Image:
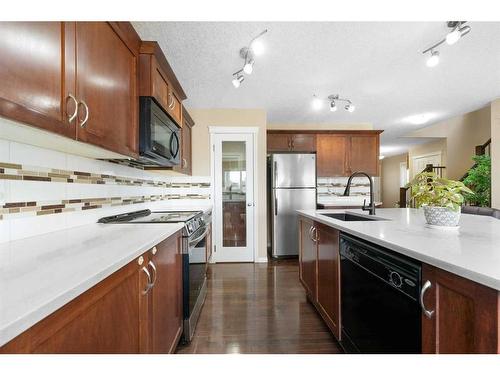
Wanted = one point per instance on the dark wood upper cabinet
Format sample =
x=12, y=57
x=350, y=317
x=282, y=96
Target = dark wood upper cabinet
x=344, y=153
x=46, y=68
x=37, y=74
x=465, y=318
x=166, y=295
x=329, y=276
x=308, y=257
x=106, y=87
x=364, y=154
x=186, y=166
x=295, y=142
x=331, y=155
x=157, y=79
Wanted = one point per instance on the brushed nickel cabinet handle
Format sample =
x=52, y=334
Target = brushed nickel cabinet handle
x=173, y=103
x=426, y=286
x=170, y=100
x=72, y=116
x=149, y=285
x=86, y=118
x=184, y=163
x=152, y=265
x=315, y=233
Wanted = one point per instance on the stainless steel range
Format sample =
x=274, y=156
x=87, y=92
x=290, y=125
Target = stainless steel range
x=194, y=254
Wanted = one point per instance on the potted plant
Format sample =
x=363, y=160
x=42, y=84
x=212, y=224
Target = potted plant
x=478, y=179
x=440, y=198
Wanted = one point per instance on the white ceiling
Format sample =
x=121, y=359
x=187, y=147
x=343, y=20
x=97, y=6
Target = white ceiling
x=378, y=65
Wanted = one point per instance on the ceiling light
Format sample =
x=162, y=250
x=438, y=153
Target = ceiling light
x=257, y=47
x=248, y=68
x=453, y=36
x=433, y=59
x=350, y=107
x=317, y=103
x=333, y=106
x=418, y=119
x=237, y=80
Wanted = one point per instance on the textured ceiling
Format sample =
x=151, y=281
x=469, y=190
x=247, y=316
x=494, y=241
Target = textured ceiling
x=378, y=65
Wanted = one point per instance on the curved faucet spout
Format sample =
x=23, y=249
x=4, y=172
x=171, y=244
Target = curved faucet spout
x=347, y=191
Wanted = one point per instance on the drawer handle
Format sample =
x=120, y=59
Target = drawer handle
x=73, y=116
x=426, y=286
x=86, y=118
x=149, y=285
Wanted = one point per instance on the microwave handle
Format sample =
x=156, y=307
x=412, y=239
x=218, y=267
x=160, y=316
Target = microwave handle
x=176, y=151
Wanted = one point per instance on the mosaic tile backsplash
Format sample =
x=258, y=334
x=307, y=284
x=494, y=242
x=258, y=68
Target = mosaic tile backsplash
x=43, y=190
x=330, y=187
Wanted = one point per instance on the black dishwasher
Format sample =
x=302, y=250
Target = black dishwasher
x=380, y=299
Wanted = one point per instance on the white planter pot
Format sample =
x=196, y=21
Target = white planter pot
x=441, y=216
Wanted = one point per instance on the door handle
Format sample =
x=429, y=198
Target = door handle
x=86, y=118
x=72, y=116
x=275, y=206
x=275, y=174
x=426, y=286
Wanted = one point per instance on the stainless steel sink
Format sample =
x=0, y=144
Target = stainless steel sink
x=345, y=216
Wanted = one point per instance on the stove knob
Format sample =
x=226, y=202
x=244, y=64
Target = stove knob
x=396, y=279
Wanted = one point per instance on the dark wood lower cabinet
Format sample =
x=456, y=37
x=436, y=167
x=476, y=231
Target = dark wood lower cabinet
x=465, y=317
x=329, y=276
x=308, y=253
x=117, y=315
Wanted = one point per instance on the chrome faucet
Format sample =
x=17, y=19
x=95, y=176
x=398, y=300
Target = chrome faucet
x=371, y=206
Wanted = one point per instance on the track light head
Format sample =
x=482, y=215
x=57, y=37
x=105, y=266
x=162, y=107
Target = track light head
x=333, y=106
x=350, y=107
x=248, y=68
x=453, y=36
x=257, y=47
x=433, y=59
x=237, y=79
x=317, y=103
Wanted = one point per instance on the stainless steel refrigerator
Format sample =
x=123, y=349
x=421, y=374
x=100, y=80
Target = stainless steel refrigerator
x=293, y=187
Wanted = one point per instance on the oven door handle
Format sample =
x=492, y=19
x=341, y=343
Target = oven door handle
x=198, y=239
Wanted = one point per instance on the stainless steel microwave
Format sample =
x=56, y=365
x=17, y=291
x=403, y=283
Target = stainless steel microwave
x=159, y=136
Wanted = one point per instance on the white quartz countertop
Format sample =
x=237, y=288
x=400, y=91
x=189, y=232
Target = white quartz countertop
x=40, y=274
x=472, y=251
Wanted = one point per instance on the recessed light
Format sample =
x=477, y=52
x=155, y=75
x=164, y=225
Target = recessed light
x=418, y=119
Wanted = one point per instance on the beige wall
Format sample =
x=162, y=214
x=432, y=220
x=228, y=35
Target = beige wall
x=201, y=153
x=462, y=133
x=495, y=154
x=390, y=180
x=313, y=126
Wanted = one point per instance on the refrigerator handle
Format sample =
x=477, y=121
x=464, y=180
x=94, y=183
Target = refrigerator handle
x=275, y=205
x=275, y=174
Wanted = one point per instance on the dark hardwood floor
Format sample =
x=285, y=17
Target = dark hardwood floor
x=259, y=308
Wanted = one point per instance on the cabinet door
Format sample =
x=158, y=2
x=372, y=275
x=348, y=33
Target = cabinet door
x=105, y=319
x=186, y=139
x=278, y=142
x=331, y=155
x=363, y=154
x=329, y=276
x=37, y=74
x=465, y=317
x=303, y=142
x=166, y=296
x=159, y=84
x=106, y=83
x=307, y=258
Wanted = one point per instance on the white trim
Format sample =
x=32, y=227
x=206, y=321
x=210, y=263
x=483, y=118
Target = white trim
x=215, y=130
x=233, y=129
x=261, y=260
x=440, y=153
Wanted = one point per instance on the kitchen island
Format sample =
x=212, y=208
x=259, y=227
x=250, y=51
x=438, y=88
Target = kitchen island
x=462, y=267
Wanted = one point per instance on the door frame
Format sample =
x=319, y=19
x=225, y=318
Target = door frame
x=413, y=158
x=254, y=131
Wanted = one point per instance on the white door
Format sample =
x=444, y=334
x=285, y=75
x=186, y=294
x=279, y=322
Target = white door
x=233, y=175
x=420, y=162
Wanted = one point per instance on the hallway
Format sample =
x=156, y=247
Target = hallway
x=258, y=308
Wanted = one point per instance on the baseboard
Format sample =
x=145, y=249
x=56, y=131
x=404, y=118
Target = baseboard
x=261, y=260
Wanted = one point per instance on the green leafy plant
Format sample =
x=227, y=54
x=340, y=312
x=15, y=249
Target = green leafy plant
x=428, y=189
x=479, y=181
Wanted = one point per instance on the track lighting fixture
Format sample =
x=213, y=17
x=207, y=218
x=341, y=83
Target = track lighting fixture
x=237, y=79
x=255, y=48
x=317, y=103
x=457, y=30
